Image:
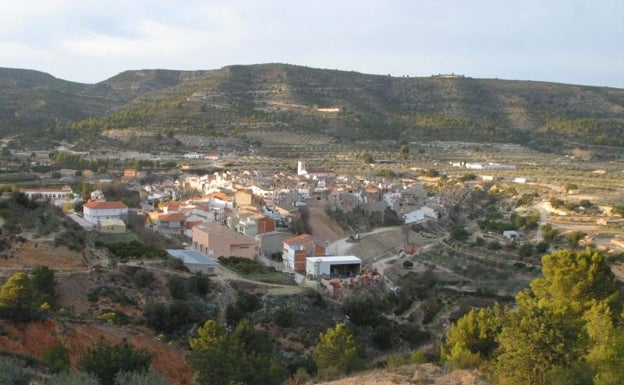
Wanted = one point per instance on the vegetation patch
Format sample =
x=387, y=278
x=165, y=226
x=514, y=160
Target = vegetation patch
x=251, y=269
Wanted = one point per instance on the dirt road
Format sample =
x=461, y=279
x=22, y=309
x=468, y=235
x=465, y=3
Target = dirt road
x=322, y=226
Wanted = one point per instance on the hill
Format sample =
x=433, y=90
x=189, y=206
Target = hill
x=255, y=101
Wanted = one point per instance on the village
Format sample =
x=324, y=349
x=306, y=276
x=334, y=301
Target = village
x=249, y=214
x=262, y=215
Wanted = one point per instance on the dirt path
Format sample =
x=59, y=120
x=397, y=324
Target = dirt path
x=322, y=226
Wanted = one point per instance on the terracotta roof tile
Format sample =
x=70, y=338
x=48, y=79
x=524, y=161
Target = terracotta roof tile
x=296, y=239
x=103, y=205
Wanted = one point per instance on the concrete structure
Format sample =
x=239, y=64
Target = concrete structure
x=111, y=226
x=511, y=234
x=272, y=242
x=414, y=216
x=333, y=266
x=433, y=210
x=216, y=240
x=195, y=261
x=95, y=211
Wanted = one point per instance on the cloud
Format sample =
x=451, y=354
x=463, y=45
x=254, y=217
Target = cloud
x=90, y=40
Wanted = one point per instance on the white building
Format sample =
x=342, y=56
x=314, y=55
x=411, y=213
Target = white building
x=48, y=193
x=95, y=211
x=333, y=266
x=414, y=216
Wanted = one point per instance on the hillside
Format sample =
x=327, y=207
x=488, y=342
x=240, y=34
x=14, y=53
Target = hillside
x=256, y=101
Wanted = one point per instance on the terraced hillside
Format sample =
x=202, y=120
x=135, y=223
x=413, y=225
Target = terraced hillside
x=256, y=103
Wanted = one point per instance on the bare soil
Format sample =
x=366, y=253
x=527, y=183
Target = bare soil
x=413, y=374
x=322, y=226
x=34, y=338
x=31, y=254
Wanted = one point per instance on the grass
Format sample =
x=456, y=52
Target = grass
x=256, y=272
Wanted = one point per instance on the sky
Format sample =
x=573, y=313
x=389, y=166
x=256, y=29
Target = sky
x=571, y=41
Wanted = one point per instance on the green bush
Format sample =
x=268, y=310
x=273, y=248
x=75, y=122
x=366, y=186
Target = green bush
x=106, y=360
x=459, y=233
x=199, y=283
x=177, y=287
x=284, y=317
x=542, y=246
x=56, y=357
x=525, y=250
x=175, y=316
x=125, y=251
x=143, y=278
x=149, y=377
x=418, y=357
x=14, y=371
x=395, y=360
x=44, y=282
x=18, y=298
x=72, y=378
x=364, y=309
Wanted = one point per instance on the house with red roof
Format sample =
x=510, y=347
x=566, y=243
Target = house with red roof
x=94, y=211
x=172, y=221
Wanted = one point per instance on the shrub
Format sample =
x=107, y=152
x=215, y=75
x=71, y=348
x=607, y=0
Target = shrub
x=75, y=378
x=56, y=357
x=525, y=250
x=149, y=377
x=383, y=337
x=284, y=317
x=395, y=360
x=364, y=309
x=494, y=245
x=459, y=233
x=418, y=357
x=199, y=283
x=542, y=246
x=44, y=282
x=13, y=371
x=125, y=251
x=74, y=239
x=18, y=298
x=177, y=287
x=143, y=278
x=114, y=317
x=169, y=318
x=105, y=361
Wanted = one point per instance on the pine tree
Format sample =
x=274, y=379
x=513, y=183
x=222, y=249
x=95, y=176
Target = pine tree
x=337, y=351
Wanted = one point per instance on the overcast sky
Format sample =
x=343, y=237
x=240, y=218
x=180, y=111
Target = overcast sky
x=571, y=41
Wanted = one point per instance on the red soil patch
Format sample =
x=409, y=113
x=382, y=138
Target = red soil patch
x=34, y=338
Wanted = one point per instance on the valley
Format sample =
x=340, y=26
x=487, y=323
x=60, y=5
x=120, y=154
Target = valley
x=449, y=192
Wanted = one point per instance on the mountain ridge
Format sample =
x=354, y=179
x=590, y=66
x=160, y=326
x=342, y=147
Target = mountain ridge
x=237, y=99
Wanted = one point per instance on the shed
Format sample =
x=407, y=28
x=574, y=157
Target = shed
x=333, y=266
x=511, y=234
x=194, y=260
x=112, y=226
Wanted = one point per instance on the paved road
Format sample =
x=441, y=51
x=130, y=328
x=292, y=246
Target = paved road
x=81, y=221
